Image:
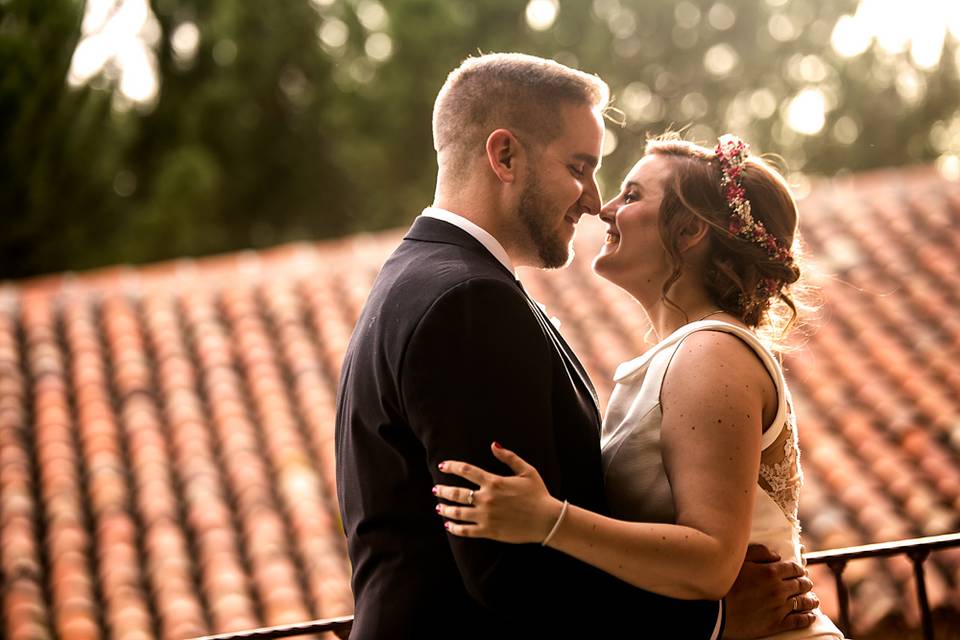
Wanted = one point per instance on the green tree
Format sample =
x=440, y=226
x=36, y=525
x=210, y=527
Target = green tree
x=49, y=167
x=307, y=119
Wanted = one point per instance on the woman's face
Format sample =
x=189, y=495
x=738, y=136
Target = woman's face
x=633, y=256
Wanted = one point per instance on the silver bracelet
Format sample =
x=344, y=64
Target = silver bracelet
x=556, y=525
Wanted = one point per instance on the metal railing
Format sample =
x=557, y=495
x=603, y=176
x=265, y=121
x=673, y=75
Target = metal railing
x=917, y=549
x=339, y=626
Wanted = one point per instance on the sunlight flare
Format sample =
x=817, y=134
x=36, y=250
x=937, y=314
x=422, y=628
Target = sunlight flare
x=806, y=112
x=119, y=40
x=541, y=14
x=919, y=27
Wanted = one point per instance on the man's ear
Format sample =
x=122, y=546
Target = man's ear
x=503, y=150
x=693, y=234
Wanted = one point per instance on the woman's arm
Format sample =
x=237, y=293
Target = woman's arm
x=712, y=400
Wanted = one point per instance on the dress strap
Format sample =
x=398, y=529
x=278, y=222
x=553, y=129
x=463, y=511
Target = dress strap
x=667, y=349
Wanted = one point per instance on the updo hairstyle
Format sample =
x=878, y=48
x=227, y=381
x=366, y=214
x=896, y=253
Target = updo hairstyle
x=740, y=275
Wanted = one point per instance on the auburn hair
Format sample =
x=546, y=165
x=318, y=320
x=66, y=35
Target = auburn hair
x=735, y=267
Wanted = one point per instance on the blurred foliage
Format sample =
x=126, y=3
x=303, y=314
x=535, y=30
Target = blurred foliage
x=308, y=119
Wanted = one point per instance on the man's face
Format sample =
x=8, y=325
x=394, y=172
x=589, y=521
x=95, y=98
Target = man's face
x=561, y=186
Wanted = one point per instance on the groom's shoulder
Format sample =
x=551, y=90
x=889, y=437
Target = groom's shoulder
x=427, y=271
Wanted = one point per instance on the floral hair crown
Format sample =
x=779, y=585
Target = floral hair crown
x=732, y=154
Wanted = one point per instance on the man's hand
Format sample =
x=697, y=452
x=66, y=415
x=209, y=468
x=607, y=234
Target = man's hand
x=768, y=597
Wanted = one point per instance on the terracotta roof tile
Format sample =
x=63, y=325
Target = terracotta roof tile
x=166, y=431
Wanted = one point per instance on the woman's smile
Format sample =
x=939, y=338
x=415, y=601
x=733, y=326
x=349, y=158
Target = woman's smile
x=612, y=237
x=632, y=253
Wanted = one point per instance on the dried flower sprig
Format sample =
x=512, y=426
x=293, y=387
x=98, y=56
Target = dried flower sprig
x=731, y=153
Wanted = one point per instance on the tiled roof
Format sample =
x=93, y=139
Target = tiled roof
x=166, y=432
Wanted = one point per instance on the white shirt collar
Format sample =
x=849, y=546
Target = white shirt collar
x=481, y=235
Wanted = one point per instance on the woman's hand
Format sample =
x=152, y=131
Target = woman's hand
x=516, y=509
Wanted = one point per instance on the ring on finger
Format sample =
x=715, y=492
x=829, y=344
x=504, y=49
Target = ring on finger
x=470, y=497
x=796, y=603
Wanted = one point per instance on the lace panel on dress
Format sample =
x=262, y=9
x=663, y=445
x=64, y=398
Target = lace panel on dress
x=780, y=473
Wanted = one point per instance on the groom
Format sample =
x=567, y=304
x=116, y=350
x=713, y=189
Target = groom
x=450, y=354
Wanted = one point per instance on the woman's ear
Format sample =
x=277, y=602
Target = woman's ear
x=694, y=234
x=503, y=150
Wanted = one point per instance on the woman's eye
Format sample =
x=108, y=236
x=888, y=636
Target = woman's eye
x=630, y=197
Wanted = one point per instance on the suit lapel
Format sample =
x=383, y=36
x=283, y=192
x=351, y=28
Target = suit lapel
x=575, y=361
x=573, y=365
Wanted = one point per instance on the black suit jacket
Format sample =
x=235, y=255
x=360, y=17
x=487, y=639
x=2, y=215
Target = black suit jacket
x=449, y=354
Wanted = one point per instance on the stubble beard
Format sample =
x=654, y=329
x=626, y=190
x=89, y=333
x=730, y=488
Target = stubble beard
x=552, y=250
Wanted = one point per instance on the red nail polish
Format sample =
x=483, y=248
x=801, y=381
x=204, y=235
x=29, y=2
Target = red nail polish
x=440, y=466
x=497, y=445
x=446, y=525
x=435, y=491
x=438, y=508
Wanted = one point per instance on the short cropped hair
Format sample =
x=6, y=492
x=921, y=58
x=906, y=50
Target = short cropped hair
x=512, y=91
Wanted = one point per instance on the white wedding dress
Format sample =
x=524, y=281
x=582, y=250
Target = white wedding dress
x=636, y=483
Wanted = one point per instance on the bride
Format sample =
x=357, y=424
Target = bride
x=699, y=443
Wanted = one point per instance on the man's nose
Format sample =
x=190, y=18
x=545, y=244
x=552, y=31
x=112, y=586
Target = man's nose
x=590, y=199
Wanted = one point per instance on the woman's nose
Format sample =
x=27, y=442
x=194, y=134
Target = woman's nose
x=608, y=211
